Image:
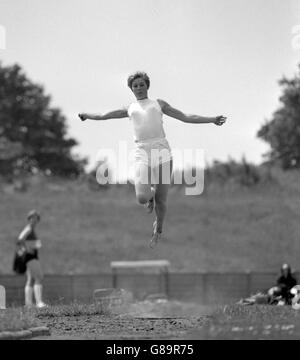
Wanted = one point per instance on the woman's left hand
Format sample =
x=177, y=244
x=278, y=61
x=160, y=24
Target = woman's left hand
x=220, y=120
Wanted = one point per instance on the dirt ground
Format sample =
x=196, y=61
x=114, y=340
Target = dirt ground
x=145, y=320
x=120, y=328
x=177, y=321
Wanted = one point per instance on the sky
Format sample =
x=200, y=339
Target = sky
x=206, y=57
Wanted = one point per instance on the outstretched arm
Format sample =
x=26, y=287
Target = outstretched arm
x=115, y=114
x=167, y=109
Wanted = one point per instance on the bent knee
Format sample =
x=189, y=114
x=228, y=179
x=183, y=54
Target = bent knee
x=142, y=198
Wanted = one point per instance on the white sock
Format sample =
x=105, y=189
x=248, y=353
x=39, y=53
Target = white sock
x=38, y=291
x=28, y=295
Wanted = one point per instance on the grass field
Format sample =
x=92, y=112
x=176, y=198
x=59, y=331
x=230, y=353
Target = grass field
x=263, y=322
x=231, y=229
x=16, y=319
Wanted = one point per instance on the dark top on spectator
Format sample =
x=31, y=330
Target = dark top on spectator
x=286, y=283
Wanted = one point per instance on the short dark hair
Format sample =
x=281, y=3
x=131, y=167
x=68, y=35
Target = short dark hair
x=32, y=214
x=137, y=75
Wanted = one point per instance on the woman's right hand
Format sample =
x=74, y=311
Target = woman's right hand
x=21, y=247
x=21, y=250
x=83, y=116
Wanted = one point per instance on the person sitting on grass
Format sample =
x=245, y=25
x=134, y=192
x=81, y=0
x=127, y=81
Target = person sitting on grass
x=285, y=283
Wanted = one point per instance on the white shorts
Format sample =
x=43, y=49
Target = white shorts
x=152, y=152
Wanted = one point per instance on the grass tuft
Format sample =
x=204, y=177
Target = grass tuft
x=74, y=309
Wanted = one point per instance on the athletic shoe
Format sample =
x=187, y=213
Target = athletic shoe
x=41, y=305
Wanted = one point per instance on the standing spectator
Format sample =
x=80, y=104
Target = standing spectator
x=29, y=241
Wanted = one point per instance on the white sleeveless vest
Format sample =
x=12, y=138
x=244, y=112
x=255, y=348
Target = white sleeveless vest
x=146, y=116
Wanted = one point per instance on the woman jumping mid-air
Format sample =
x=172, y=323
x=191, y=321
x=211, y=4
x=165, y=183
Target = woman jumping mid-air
x=146, y=115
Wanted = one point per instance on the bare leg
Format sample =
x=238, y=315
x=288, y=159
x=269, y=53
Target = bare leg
x=29, y=289
x=150, y=204
x=161, y=194
x=37, y=274
x=143, y=189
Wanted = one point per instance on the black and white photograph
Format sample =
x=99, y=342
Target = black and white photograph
x=149, y=173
